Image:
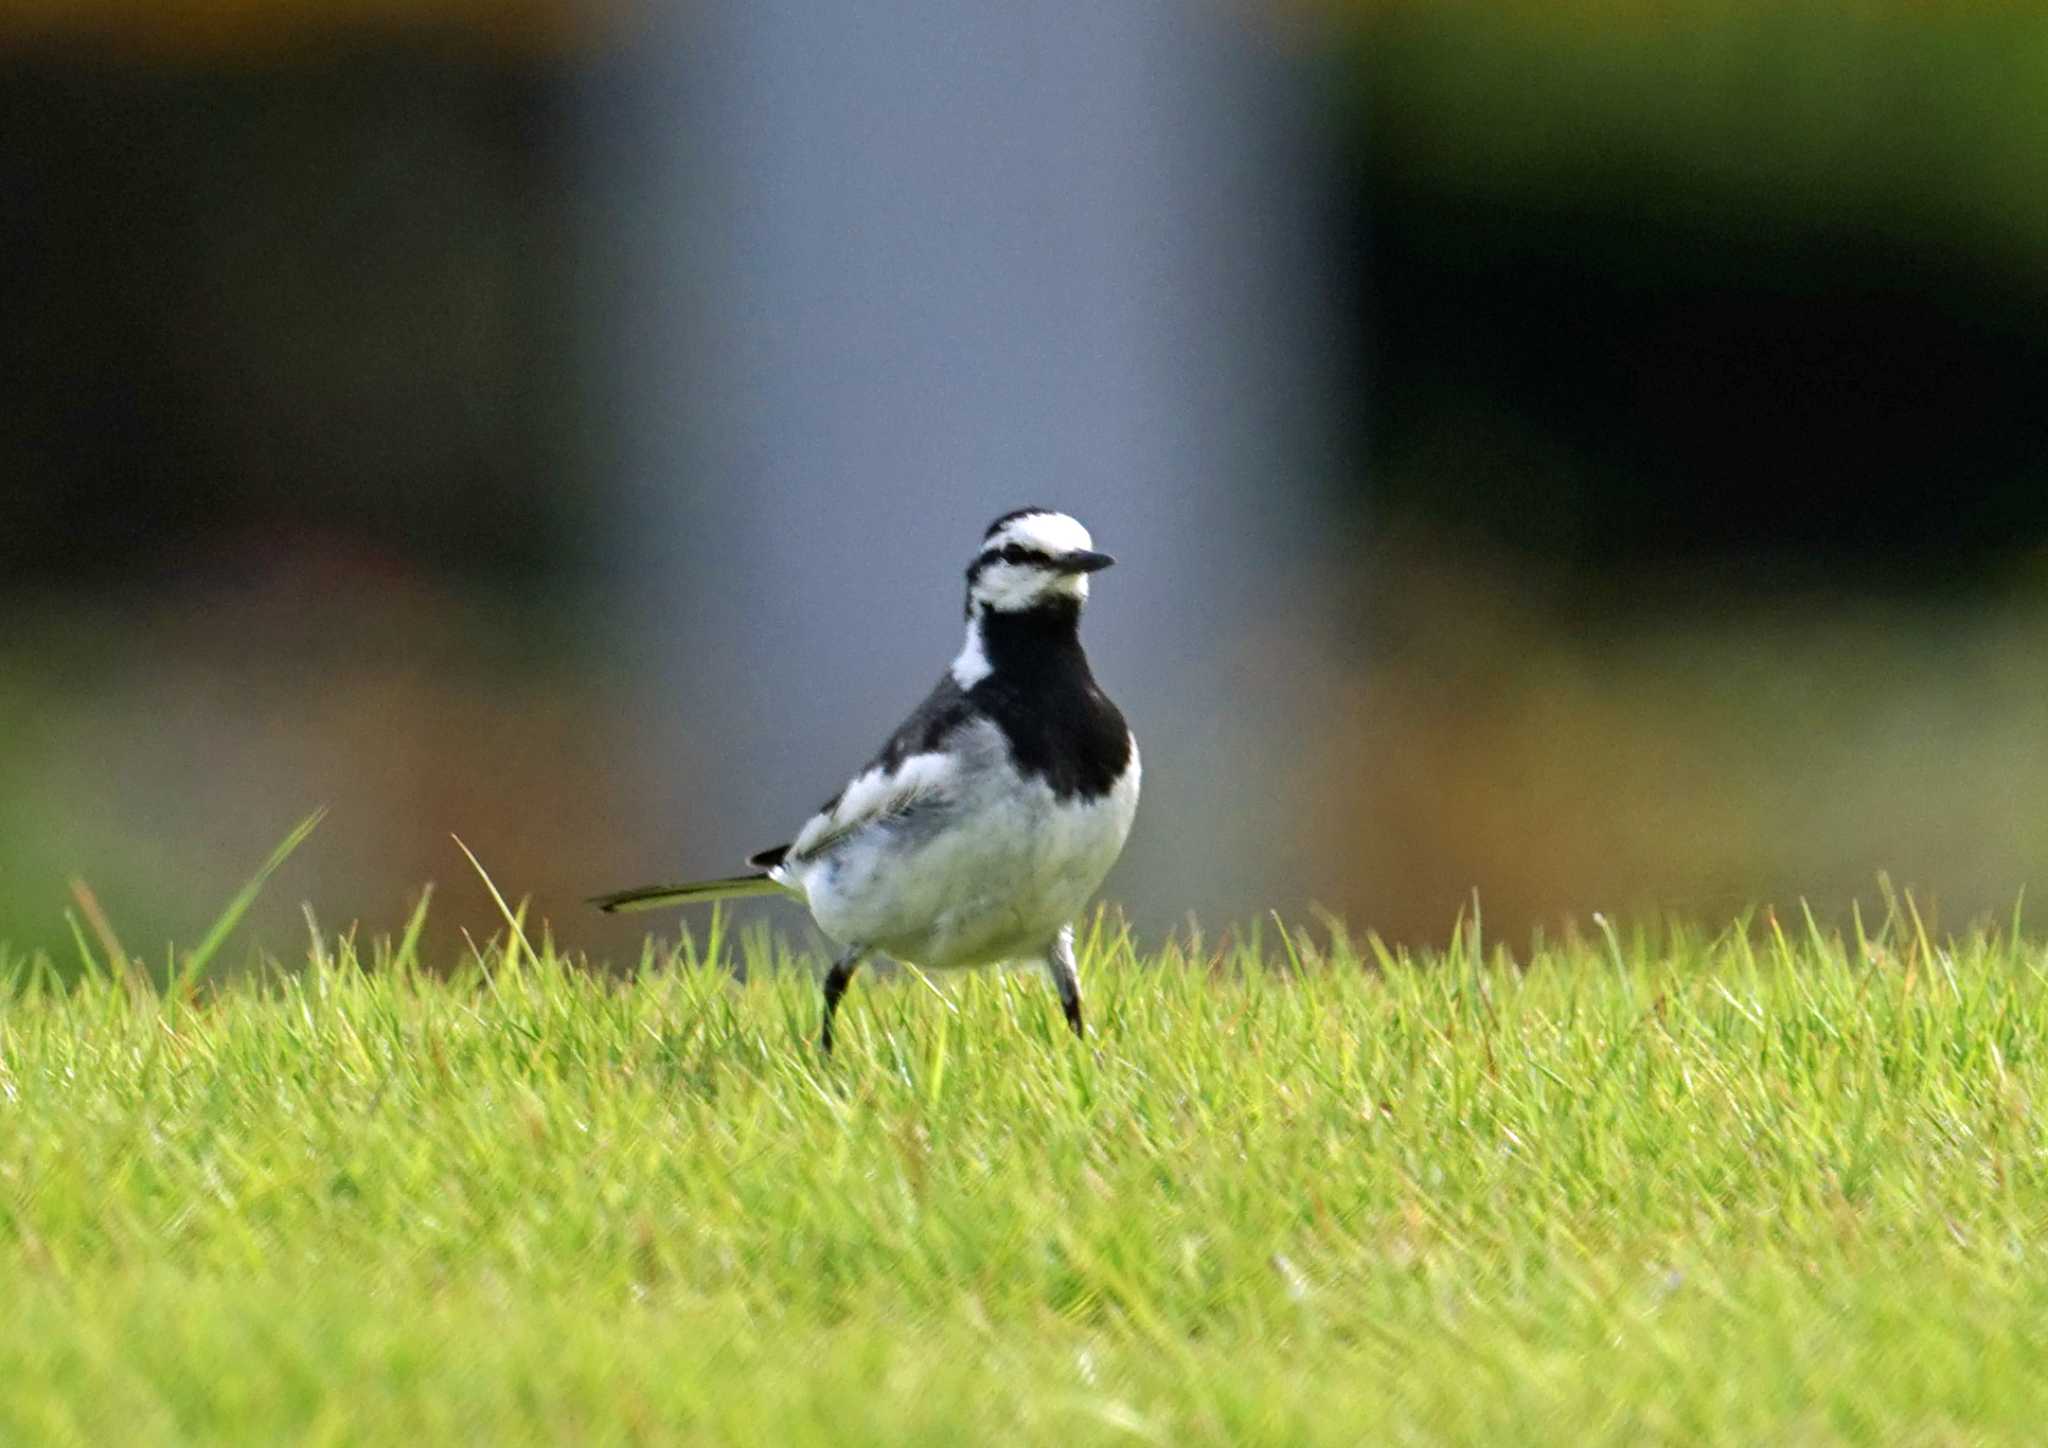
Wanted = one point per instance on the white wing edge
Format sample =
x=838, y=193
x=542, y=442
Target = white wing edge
x=873, y=796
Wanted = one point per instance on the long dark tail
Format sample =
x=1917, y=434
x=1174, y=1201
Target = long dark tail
x=656, y=897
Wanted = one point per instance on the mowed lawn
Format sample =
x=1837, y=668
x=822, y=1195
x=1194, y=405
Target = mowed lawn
x=1757, y=1185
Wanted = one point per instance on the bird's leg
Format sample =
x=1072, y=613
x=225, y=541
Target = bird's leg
x=836, y=981
x=1059, y=959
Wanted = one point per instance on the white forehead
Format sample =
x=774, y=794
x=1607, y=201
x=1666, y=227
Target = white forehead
x=1053, y=533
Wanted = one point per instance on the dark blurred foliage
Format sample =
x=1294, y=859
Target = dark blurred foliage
x=302, y=294
x=1724, y=286
x=1723, y=283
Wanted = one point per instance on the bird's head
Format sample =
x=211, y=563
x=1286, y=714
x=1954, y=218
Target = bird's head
x=1031, y=558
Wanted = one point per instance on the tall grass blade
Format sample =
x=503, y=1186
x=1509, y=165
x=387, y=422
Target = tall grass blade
x=409, y=943
x=87, y=959
x=89, y=907
x=518, y=932
x=202, y=954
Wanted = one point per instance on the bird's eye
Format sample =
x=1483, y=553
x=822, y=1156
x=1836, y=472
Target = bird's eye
x=1012, y=553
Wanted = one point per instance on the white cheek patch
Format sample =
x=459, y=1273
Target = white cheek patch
x=1008, y=586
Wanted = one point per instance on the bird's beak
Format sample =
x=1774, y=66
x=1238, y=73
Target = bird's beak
x=1083, y=561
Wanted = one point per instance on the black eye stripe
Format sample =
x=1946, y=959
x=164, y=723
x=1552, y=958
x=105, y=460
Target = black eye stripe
x=1011, y=553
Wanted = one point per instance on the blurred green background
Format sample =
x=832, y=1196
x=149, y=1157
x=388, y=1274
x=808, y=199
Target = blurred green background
x=1676, y=539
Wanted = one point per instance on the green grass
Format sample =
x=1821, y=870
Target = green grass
x=1675, y=1187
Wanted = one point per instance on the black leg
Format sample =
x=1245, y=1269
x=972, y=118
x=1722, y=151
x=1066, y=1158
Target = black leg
x=836, y=981
x=1066, y=978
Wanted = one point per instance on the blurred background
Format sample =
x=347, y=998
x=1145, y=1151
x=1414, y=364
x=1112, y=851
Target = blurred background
x=1589, y=454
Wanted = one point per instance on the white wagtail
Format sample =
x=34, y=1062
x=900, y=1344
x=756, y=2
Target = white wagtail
x=994, y=810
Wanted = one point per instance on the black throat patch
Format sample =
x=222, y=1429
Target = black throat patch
x=1061, y=727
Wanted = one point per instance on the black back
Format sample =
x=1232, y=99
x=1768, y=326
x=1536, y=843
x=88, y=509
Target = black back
x=1058, y=723
x=1060, y=726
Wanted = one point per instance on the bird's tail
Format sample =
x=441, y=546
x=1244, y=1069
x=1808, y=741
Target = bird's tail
x=656, y=897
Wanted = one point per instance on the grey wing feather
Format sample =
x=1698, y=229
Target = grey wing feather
x=885, y=790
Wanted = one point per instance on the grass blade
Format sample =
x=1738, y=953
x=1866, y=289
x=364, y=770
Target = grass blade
x=409, y=944
x=96, y=917
x=198, y=958
x=518, y=933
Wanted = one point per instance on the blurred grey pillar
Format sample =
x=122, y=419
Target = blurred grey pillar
x=886, y=270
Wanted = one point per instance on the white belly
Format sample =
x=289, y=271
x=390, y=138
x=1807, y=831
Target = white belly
x=989, y=875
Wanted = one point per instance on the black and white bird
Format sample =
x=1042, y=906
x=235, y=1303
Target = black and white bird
x=993, y=812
